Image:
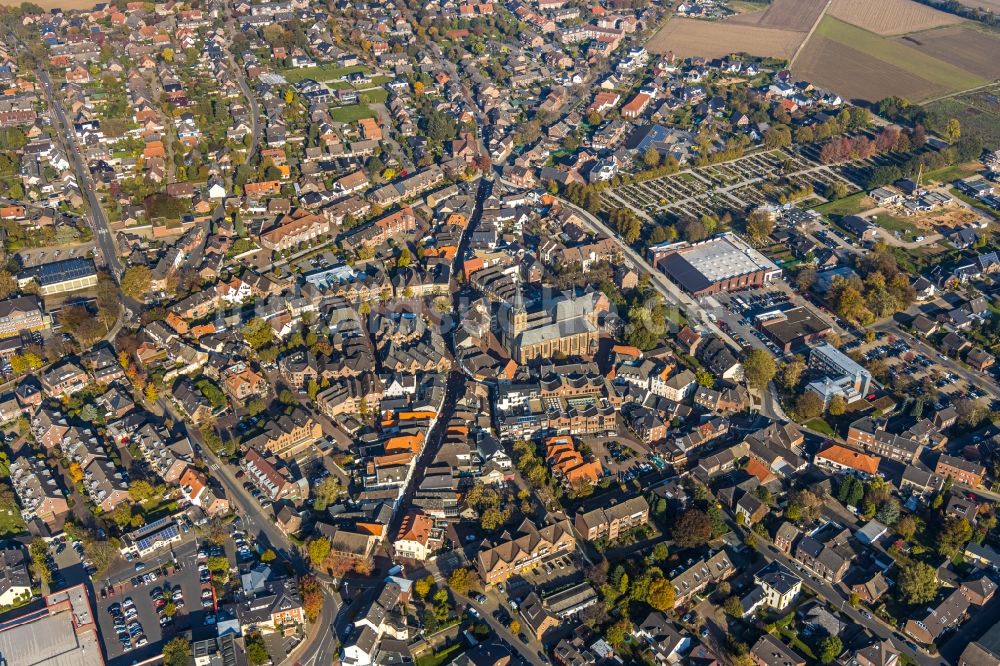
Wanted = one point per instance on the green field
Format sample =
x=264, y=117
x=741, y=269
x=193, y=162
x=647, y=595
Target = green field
x=979, y=113
x=894, y=53
x=320, y=72
x=821, y=426
x=851, y=205
x=374, y=95
x=952, y=173
x=907, y=230
x=352, y=113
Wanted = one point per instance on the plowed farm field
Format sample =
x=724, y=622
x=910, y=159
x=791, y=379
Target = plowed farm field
x=890, y=17
x=972, y=50
x=714, y=39
x=796, y=15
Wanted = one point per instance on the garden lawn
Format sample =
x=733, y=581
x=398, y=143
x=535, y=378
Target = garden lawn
x=320, y=72
x=819, y=425
x=906, y=229
x=952, y=173
x=352, y=113
x=441, y=657
x=11, y=523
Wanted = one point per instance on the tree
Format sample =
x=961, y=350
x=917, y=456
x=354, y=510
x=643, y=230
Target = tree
x=705, y=378
x=805, y=505
x=692, y=528
x=806, y=277
x=7, y=284
x=830, y=648
x=759, y=368
x=122, y=515
x=326, y=492
x=423, y=586
x=856, y=493
x=257, y=333
x=618, y=631
x=838, y=406
x=888, y=512
x=255, y=649
x=140, y=491
x=907, y=527
x=404, y=258
x=661, y=594
x=514, y=627
x=136, y=281
x=461, y=581
x=651, y=158
x=268, y=556
x=791, y=373
x=176, y=652
x=954, y=535
x=318, y=550
x=312, y=596
x=151, y=393
x=25, y=362
x=733, y=607
x=661, y=552
x=918, y=582
x=808, y=406
x=491, y=519
x=759, y=226
x=954, y=130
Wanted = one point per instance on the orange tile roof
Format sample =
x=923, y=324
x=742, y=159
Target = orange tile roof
x=850, y=458
x=405, y=443
x=393, y=459
x=757, y=468
x=415, y=527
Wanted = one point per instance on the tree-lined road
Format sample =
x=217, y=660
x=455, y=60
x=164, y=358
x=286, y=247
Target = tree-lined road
x=102, y=229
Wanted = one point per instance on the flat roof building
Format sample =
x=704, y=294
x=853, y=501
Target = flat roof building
x=722, y=263
x=842, y=376
x=60, y=276
x=793, y=328
x=63, y=633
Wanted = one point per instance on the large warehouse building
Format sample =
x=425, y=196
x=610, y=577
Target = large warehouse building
x=722, y=263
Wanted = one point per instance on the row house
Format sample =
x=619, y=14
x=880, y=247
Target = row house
x=274, y=480
x=525, y=550
x=609, y=522
x=39, y=493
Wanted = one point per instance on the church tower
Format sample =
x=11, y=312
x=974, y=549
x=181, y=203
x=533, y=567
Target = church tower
x=518, y=314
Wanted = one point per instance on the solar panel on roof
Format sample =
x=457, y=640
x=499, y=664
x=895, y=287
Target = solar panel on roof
x=166, y=534
x=63, y=271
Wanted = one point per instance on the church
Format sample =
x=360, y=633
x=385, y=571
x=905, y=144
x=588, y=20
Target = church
x=566, y=325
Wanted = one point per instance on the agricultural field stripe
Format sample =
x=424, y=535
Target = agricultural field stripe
x=894, y=53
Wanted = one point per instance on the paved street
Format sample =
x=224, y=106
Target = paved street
x=838, y=601
x=102, y=230
x=317, y=645
x=980, y=379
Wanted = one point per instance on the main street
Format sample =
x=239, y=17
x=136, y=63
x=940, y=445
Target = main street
x=102, y=229
x=320, y=643
x=255, y=122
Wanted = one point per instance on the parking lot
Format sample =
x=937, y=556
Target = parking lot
x=36, y=256
x=735, y=311
x=621, y=457
x=917, y=372
x=139, y=611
